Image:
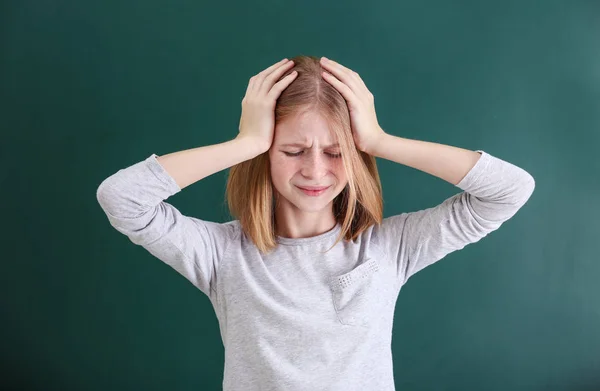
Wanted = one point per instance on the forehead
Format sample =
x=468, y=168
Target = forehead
x=304, y=129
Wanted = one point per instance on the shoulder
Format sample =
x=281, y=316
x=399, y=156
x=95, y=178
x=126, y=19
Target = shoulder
x=229, y=230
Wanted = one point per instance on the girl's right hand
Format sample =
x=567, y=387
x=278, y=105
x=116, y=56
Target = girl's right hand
x=257, y=122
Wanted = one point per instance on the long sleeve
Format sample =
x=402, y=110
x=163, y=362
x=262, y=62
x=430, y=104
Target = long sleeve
x=493, y=191
x=133, y=200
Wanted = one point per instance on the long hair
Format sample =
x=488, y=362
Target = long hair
x=250, y=191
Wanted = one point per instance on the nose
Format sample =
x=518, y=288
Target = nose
x=314, y=166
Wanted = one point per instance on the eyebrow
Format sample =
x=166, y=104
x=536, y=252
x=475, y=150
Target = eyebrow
x=304, y=146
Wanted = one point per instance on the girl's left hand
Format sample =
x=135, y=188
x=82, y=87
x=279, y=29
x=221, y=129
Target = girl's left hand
x=361, y=103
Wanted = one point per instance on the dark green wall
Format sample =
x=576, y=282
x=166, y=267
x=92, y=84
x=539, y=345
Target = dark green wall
x=88, y=88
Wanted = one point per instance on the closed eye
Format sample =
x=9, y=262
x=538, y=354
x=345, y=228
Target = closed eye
x=332, y=155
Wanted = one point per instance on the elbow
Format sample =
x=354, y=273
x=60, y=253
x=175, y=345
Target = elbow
x=530, y=185
x=105, y=195
x=526, y=189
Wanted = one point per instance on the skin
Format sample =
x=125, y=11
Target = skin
x=299, y=215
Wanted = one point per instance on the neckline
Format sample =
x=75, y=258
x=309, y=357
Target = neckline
x=317, y=238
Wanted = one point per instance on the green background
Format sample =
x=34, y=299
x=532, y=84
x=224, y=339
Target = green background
x=88, y=88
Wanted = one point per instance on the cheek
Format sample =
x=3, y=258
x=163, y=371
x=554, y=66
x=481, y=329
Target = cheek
x=339, y=171
x=282, y=170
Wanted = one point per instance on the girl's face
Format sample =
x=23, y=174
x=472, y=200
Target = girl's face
x=303, y=154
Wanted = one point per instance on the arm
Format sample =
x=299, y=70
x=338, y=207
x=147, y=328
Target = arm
x=444, y=161
x=494, y=190
x=191, y=165
x=133, y=200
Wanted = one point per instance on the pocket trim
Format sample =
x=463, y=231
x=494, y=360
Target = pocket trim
x=343, y=281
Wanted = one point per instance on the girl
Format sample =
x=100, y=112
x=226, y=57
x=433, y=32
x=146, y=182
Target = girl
x=304, y=282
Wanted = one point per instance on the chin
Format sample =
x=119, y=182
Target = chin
x=312, y=205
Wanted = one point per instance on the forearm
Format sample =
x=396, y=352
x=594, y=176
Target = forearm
x=191, y=165
x=444, y=161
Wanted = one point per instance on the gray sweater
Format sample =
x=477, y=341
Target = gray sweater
x=298, y=319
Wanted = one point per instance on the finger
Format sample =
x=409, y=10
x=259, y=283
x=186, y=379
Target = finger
x=346, y=75
x=282, y=85
x=258, y=77
x=267, y=83
x=334, y=64
x=346, y=91
x=263, y=80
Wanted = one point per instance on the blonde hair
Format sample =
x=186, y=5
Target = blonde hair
x=250, y=191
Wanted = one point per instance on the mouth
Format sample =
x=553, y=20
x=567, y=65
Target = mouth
x=313, y=191
x=313, y=188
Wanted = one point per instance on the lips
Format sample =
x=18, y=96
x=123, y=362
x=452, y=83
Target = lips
x=313, y=188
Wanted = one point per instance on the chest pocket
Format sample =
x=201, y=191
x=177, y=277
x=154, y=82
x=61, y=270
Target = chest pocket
x=355, y=294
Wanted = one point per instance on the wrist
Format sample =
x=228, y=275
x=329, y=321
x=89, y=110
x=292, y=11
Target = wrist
x=373, y=147
x=251, y=144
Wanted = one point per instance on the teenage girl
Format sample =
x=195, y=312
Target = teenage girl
x=304, y=281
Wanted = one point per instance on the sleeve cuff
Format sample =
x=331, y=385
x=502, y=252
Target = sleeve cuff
x=479, y=168
x=162, y=174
